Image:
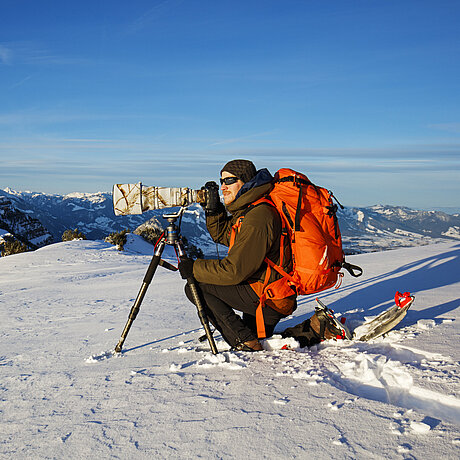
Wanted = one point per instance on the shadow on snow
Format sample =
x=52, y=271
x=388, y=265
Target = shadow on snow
x=374, y=295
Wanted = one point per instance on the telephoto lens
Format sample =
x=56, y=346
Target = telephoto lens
x=138, y=198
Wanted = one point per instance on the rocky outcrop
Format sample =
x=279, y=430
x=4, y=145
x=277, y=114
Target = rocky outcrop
x=23, y=227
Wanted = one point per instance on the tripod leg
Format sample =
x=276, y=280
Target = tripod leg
x=140, y=296
x=199, y=304
x=202, y=314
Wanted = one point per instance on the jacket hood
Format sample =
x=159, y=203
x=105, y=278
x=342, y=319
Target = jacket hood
x=262, y=177
x=252, y=190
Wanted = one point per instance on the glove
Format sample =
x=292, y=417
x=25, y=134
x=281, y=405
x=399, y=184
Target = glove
x=212, y=198
x=186, y=268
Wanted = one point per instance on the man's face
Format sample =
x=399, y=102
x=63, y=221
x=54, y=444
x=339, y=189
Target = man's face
x=229, y=191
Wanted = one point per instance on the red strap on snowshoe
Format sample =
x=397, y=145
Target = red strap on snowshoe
x=401, y=300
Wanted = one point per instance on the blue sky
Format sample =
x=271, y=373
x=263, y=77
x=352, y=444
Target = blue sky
x=362, y=96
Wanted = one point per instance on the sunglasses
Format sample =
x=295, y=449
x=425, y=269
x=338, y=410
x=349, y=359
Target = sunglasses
x=229, y=180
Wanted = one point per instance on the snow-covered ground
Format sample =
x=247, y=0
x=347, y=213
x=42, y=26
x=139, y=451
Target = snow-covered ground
x=65, y=395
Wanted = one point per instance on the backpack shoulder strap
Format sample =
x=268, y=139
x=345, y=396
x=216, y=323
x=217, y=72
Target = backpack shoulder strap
x=299, y=182
x=264, y=199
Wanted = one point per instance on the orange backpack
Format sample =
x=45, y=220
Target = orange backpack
x=309, y=219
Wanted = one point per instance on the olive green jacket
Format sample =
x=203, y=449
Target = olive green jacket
x=258, y=237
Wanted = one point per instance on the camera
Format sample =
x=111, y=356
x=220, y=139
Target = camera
x=137, y=198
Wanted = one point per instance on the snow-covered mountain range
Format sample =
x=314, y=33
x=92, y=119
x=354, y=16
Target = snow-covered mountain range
x=384, y=227
x=39, y=219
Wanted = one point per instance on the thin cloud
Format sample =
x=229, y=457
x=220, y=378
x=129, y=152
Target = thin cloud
x=5, y=55
x=21, y=82
x=44, y=117
x=20, y=52
x=449, y=127
x=30, y=52
x=151, y=15
x=249, y=137
x=355, y=156
x=41, y=117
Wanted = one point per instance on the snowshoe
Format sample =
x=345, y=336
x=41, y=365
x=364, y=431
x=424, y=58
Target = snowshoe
x=324, y=325
x=387, y=320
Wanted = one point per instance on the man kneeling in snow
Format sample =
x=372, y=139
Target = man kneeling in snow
x=236, y=282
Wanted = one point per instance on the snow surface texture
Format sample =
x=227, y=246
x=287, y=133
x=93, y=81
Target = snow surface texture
x=65, y=394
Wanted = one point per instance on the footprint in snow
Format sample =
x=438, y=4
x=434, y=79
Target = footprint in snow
x=281, y=401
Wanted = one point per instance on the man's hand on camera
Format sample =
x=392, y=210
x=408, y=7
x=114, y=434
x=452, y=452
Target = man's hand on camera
x=213, y=205
x=186, y=268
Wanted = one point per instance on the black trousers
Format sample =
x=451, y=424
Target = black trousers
x=221, y=302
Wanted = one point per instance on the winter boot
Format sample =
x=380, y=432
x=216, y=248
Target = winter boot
x=325, y=326
x=250, y=345
x=303, y=333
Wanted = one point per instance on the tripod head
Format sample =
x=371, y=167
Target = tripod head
x=172, y=236
x=172, y=217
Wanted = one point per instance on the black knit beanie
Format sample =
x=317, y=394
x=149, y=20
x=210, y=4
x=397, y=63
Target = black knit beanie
x=243, y=169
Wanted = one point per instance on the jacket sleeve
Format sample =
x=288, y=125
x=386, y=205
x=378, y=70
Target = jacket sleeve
x=255, y=238
x=219, y=226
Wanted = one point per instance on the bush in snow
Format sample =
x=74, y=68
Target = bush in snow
x=118, y=239
x=70, y=235
x=12, y=247
x=150, y=234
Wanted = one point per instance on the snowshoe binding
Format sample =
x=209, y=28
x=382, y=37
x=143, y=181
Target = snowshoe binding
x=329, y=326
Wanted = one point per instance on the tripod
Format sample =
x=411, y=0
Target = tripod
x=170, y=236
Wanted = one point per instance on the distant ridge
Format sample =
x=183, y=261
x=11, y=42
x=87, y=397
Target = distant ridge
x=364, y=229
